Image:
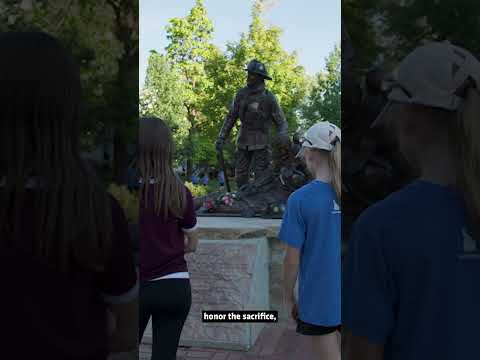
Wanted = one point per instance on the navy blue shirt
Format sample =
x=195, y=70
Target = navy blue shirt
x=412, y=276
x=312, y=223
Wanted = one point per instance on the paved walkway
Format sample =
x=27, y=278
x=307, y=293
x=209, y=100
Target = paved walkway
x=276, y=342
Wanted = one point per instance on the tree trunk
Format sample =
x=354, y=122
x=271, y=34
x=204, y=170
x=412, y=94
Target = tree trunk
x=189, y=170
x=126, y=106
x=190, y=146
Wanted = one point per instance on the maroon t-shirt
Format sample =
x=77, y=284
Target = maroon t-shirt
x=162, y=244
x=49, y=315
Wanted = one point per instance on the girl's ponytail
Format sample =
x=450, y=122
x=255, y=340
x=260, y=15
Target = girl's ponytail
x=469, y=147
x=336, y=168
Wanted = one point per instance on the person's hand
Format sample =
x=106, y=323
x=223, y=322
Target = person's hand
x=189, y=249
x=111, y=323
x=291, y=307
x=294, y=311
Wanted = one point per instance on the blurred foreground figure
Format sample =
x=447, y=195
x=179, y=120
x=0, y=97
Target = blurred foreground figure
x=411, y=278
x=66, y=260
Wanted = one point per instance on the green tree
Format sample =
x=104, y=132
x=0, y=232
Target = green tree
x=189, y=49
x=122, y=109
x=205, y=80
x=400, y=26
x=356, y=15
x=163, y=97
x=261, y=42
x=323, y=102
x=103, y=36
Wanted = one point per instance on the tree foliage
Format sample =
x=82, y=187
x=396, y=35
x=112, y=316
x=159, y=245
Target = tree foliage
x=323, y=102
x=103, y=37
x=205, y=79
x=394, y=28
x=163, y=96
x=188, y=51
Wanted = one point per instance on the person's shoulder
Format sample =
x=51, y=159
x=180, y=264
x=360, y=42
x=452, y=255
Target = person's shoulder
x=306, y=191
x=399, y=204
x=270, y=96
x=242, y=92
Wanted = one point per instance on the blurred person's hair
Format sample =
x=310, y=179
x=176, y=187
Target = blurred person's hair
x=335, y=164
x=463, y=130
x=155, y=164
x=40, y=98
x=468, y=145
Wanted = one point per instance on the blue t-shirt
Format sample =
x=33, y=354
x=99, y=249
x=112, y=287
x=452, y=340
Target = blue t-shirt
x=412, y=276
x=312, y=223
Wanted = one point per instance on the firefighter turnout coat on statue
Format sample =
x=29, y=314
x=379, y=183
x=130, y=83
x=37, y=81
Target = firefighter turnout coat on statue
x=257, y=109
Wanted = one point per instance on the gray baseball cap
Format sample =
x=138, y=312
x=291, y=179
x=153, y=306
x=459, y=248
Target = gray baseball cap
x=322, y=136
x=431, y=75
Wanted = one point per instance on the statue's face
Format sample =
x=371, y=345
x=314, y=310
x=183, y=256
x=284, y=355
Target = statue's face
x=253, y=79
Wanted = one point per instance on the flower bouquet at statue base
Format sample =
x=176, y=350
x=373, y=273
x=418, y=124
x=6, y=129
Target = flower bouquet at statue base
x=223, y=203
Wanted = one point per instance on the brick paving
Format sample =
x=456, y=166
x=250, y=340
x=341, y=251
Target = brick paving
x=275, y=342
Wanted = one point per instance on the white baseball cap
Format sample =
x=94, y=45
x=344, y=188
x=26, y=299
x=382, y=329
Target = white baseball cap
x=431, y=75
x=323, y=136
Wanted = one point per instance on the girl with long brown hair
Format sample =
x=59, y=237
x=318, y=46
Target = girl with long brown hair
x=311, y=230
x=167, y=231
x=64, y=245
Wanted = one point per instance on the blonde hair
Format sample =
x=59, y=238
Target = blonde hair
x=335, y=164
x=468, y=132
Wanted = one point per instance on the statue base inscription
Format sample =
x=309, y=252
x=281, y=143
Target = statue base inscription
x=226, y=275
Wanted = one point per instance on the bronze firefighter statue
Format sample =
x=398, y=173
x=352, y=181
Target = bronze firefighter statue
x=257, y=109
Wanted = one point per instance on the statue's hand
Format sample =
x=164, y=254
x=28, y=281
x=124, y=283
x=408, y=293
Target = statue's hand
x=219, y=144
x=283, y=139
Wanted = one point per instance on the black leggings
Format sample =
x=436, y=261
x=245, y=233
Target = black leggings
x=168, y=302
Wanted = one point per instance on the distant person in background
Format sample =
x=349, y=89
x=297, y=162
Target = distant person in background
x=221, y=178
x=66, y=263
x=167, y=232
x=411, y=281
x=205, y=179
x=312, y=232
x=195, y=179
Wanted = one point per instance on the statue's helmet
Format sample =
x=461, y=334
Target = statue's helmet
x=258, y=68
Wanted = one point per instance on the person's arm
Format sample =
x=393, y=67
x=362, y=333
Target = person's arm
x=124, y=338
x=360, y=348
x=229, y=122
x=279, y=119
x=191, y=241
x=119, y=289
x=290, y=274
x=189, y=224
x=292, y=233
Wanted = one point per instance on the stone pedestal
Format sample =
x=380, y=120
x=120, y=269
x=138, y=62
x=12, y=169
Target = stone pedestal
x=232, y=270
x=227, y=275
